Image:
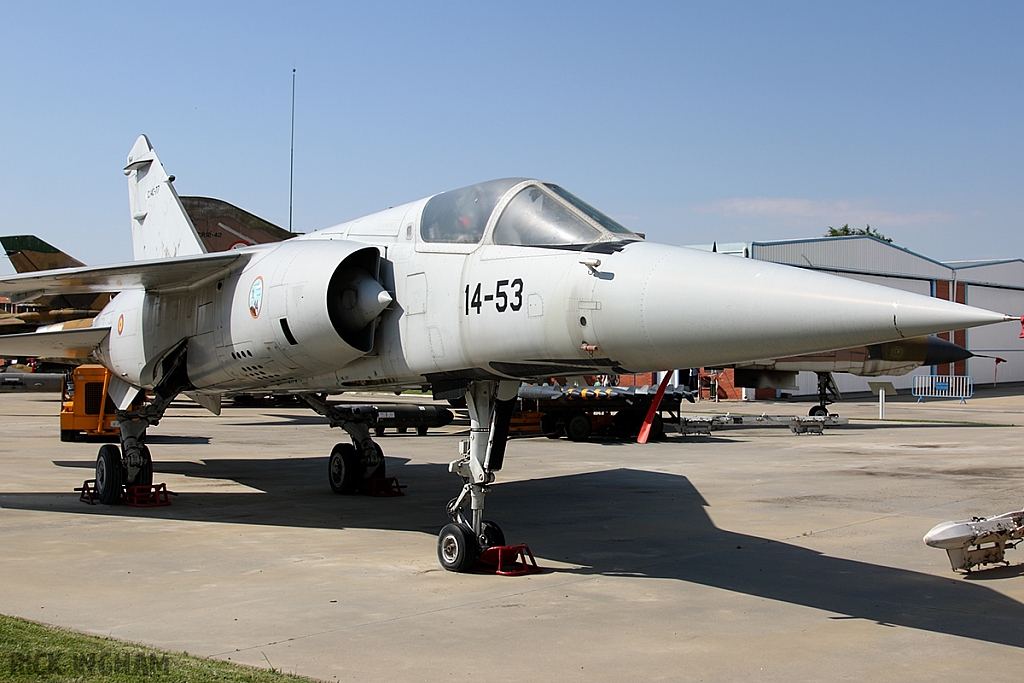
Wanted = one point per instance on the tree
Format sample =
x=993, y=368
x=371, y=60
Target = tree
x=847, y=230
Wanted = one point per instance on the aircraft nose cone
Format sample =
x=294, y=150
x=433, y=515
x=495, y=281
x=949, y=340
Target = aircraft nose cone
x=673, y=307
x=942, y=352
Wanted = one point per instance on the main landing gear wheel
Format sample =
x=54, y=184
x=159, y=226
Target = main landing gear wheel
x=818, y=411
x=345, y=469
x=549, y=426
x=110, y=474
x=457, y=550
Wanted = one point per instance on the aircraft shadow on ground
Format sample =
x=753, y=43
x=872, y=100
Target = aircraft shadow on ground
x=620, y=522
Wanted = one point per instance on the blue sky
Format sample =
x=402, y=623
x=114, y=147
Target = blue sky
x=692, y=123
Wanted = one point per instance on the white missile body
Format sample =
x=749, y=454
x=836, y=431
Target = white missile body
x=979, y=540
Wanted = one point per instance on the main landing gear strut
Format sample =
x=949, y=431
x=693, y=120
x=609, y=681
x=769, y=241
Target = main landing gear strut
x=132, y=464
x=350, y=464
x=491, y=404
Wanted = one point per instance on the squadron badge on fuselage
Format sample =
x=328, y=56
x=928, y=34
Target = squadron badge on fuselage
x=256, y=297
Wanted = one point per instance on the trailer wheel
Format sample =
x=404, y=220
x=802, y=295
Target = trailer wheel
x=549, y=426
x=578, y=427
x=657, y=428
x=68, y=435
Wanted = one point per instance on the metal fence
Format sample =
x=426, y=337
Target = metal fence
x=943, y=386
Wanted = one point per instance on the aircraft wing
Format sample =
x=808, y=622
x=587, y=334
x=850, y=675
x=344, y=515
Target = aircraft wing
x=57, y=344
x=157, y=274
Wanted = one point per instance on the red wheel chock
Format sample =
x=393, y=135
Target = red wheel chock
x=88, y=493
x=507, y=560
x=152, y=496
x=147, y=496
x=383, y=487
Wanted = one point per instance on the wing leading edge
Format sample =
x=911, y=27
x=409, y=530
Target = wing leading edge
x=155, y=275
x=57, y=344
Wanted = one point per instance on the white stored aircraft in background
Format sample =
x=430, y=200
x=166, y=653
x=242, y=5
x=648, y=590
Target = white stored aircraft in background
x=469, y=291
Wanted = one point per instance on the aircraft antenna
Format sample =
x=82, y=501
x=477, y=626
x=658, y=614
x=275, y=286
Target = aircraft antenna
x=291, y=162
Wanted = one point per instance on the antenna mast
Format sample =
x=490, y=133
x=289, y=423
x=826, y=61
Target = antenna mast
x=291, y=163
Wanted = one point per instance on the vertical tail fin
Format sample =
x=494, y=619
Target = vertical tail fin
x=29, y=254
x=160, y=225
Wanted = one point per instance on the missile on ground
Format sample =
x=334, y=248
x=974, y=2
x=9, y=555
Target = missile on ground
x=402, y=417
x=979, y=540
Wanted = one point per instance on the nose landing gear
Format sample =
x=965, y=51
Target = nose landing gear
x=460, y=543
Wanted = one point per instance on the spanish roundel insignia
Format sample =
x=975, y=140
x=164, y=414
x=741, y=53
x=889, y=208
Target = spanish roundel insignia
x=120, y=324
x=256, y=297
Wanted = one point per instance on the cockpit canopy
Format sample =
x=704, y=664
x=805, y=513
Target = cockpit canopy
x=531, y=213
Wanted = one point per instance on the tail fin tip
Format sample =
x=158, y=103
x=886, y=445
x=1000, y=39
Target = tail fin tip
x=161, y=227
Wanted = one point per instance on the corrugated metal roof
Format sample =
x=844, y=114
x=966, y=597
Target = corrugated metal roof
x=1002, y=273
x=853, y=254
x=731, y=248
x=863, y=254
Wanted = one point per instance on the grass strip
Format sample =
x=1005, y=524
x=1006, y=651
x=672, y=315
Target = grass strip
x=35, y=652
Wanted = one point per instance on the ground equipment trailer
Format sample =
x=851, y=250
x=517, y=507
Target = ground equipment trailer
x=578, y=412
x=86, y=410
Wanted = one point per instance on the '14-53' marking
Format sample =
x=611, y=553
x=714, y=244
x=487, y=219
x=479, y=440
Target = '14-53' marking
x=506, y=296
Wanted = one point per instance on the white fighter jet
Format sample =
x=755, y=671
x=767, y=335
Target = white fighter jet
x=469, y=291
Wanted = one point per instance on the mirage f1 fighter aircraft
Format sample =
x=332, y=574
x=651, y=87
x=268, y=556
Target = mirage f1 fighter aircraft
x=469, y=291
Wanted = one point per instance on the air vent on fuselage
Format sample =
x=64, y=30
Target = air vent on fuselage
x=288, y=332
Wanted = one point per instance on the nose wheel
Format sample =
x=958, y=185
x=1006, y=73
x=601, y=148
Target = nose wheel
x=458, y=548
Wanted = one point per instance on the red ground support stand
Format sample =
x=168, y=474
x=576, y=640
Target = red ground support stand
x=153, y=496
x=383, y=487
x=507, y=560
